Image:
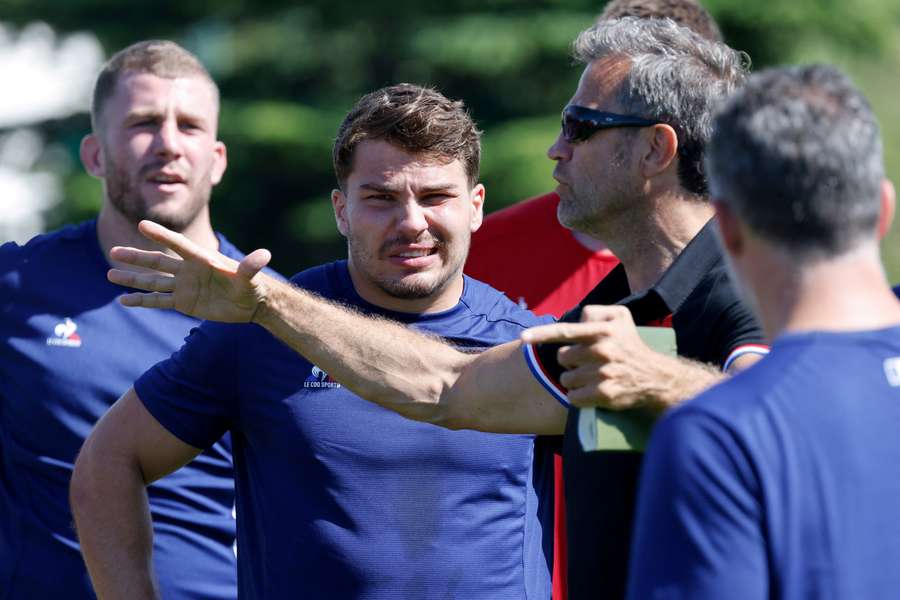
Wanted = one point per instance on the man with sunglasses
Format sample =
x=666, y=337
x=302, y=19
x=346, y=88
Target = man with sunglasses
x=553, y=276
x=640, y=186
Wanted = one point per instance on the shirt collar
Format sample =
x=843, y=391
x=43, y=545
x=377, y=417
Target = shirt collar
x=681, y=278
x=690, y=267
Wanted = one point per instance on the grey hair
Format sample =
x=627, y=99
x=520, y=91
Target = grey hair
x=676, y=77
x=797, y=155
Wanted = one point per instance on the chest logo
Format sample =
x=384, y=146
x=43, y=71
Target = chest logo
x=320, y=379
x=65, y=334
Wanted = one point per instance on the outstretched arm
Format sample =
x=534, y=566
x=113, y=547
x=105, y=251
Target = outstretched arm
x=419, y=376
x=127, y=450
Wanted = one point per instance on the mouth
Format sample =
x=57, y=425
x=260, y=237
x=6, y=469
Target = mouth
x=414, y=257
x=166, y=180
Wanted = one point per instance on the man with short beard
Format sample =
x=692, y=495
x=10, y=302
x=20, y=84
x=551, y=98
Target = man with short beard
x=68, y=350
x=644, y=101
x=337, y=497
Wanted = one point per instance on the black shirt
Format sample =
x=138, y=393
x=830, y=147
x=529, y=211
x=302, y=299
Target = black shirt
x=710, y=323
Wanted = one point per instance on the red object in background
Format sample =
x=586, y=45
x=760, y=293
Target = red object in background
x=524, y=252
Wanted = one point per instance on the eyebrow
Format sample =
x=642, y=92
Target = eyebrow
x=429, y=189
x=152, y=113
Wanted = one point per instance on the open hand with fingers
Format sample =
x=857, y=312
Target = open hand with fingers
x=608, y=364
x=197, y=282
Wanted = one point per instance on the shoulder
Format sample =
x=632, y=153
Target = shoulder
x=714, y=295
x=35, y=254
x=713, y=320
x=482, y=300
x=330, y=280
x=739, y=402
x=41, y=245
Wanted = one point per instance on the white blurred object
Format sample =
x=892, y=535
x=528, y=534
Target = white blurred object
x=48, y=77
x=52, y=77
x=24, y=194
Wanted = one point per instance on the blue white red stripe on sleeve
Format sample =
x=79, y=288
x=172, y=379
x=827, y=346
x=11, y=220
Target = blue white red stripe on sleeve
x=744, y=350
x=537, y=369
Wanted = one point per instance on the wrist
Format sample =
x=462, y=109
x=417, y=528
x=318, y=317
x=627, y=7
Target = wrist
x=266, y=299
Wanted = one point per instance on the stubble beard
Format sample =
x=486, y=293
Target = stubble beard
x=416, y=286
x=590, y=209
x=124, y=195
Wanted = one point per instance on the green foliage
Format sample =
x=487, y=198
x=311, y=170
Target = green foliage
x=289, y=72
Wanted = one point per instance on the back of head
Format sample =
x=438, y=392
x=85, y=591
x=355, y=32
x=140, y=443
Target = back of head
x=676, y=77
x=797, y=155
x=687, y=13
x=416, y=119
x=162, y=58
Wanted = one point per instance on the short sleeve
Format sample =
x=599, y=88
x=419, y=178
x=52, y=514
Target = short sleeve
x=714, y=322
x=192, y=393
x=698, y=531
x=543, y=363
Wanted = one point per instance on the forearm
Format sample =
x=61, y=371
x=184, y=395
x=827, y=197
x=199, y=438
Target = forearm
x=109, y=503
x=419, y=376
x=678, y=379
x=378, y=359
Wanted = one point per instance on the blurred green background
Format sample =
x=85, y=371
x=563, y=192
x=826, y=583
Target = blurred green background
x=289, y=71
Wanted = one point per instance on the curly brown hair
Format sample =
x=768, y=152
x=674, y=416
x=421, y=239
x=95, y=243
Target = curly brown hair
x=417, y=119
x=687, y=13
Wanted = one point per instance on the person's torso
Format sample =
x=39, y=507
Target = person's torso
x=341, y=498
x=819, y=431
x=69, y=350
x=601, y=487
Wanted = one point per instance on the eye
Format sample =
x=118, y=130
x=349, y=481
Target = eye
x=437, y=198
x=378, y=198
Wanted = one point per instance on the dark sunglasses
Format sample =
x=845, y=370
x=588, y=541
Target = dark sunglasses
x=580, y=123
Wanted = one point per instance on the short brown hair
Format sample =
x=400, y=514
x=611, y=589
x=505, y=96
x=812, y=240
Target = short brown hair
x=687, y=13
x=417, y=119
x=162, y=58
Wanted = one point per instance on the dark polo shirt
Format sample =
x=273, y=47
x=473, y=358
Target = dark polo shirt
x=695, y=297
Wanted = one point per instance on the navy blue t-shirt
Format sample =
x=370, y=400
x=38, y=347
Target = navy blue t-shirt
x=781, y=482
x=340, y=498
x=68, y=350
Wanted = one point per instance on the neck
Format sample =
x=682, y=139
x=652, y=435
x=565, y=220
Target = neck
x=590, y=243
x=849, y=293
x=441, y=300
x=114, y=229
x=648, y=243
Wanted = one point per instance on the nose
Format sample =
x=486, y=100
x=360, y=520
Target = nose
x=168, y=139
x=560, y=150
x=412, y=221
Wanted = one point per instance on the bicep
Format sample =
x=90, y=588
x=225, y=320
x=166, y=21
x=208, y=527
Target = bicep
x=497, y=392
x=129, y=433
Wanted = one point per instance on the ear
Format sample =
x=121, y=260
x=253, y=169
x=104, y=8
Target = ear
x=92, y=156
x=661, y=150
x=477, y=200
x=339, y=203
x=731, y=235
x=888, y=205
x=220, y=162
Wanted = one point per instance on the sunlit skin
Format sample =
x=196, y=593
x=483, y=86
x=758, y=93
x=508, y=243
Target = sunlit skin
x=595, y=176
x=408, y=221
x=156, y=150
